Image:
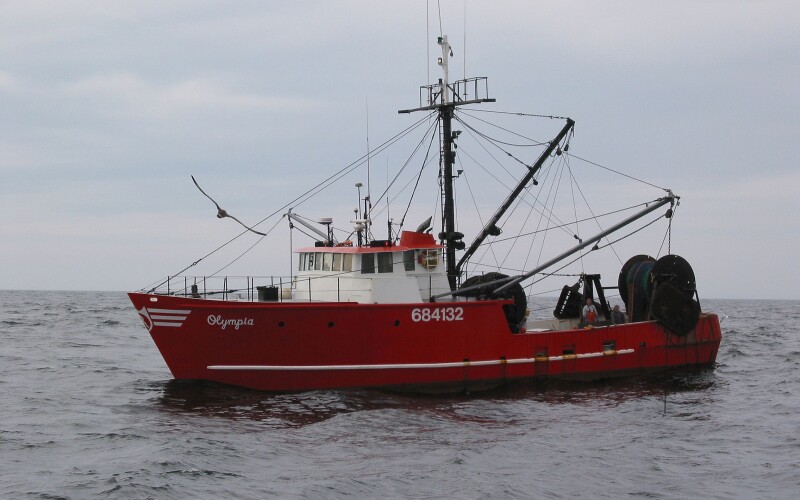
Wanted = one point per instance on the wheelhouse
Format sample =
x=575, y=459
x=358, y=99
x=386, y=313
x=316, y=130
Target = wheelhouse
x=381, y=272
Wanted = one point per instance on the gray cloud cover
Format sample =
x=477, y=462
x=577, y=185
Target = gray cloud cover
x=108, y=107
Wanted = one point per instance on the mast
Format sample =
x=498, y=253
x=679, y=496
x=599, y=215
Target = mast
x=444, y=97
x=491, y=229
x=450, y=236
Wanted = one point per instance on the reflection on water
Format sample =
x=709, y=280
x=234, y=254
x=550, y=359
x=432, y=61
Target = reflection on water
x=291, y=409
x=303, y=408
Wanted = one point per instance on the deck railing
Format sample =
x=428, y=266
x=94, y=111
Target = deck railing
x=221, y=287
x=269, y=288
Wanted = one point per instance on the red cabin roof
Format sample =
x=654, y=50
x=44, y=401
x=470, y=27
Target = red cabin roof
x=409, y=240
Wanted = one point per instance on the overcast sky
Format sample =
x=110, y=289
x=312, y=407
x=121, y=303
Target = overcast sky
x=108, y=107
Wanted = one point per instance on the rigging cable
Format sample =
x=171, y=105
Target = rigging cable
x=332, y=179
x=477, y=210
x=428, y=161
x=617, y=172
x=527, y=190
x=569, y=223
x=557, y=185
x=416, y=184
x=534, y=141
x=248, y=249
x=668, y=235
x=552, y=117
x=495, y=142
x=305, y=196
x=575, y=210
x=591, y=211
x=407, y=162
x=582, y=254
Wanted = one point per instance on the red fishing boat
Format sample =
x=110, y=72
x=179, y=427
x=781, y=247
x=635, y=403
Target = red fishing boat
x=413, y=312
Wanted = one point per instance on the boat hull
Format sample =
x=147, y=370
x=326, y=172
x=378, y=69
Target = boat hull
x=431, y=347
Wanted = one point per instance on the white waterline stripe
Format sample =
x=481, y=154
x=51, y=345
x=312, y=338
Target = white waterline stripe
x=164, y=323
x=168, y=318
x=169, y=311
x=456, y=364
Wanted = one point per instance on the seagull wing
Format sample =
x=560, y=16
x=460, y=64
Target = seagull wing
x=246, y=226
x=221, y=213
x=219, y=209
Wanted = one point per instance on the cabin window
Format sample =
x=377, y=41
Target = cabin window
x=300, y=260
x=337, y=262
x=310, y=262
x=327, y=260
x=367, y=263
x=347, y=262
x=408, y=260
x=317, y=261
x=385, y=264
x=429, y=259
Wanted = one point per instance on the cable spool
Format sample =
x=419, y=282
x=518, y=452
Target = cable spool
x=662, y=289
x=671, y=308
x=634, y=286
x=673, y=303
x=515, y=313
x=675, y=269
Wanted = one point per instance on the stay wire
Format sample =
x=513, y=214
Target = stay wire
x=575, y=209
x=570, y=223
x=332, y=179
x=477, y=210
x=249, y=248
x=527, y=190
x=324, y=183
x=557, y=185
x=629, y=234
x=403, y=189
x=419, y=176
x=487, y=137
x=668, y=235
x=494, y=143
x=590, y=209
x=616, y=171
x=532, y=115
x=583, y=254
x=407, y=162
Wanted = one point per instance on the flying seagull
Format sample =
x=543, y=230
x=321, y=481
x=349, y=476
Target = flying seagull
x=221, y=213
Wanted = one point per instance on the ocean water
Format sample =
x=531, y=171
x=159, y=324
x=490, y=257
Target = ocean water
x=88, y=409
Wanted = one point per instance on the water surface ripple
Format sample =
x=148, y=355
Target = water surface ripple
x=88, y=409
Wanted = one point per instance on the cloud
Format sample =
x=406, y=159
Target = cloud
x=7, y=81
x=644, y=32
x=108, y=107
x=144, y=98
